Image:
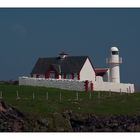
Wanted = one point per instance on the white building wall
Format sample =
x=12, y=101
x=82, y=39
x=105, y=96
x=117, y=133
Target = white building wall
x=115, y=87
x=77, y=85
x=106, y=77
x=99, y=78
x=87, y=72
x=115, y=73
x=34, y=75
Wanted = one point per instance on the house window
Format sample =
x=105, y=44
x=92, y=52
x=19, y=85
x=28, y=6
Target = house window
x=68, y=76
x=37, y=76
x=52, y=74
x=34, y=75
x=63, y=76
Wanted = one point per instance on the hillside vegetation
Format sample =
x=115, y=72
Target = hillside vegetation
x=43, y=101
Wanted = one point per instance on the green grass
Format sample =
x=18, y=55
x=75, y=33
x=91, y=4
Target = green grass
x=107, y=104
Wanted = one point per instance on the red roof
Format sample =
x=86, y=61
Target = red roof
x=101, y=71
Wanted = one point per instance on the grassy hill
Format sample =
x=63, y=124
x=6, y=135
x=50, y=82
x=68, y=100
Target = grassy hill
x=42, y=101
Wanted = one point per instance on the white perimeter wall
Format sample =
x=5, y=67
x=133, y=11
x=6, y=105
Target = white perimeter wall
x=76, y=85
x=116, y=87
x=55, y=83
x=87, y=72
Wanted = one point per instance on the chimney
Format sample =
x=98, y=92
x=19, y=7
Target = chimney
x=63, y=55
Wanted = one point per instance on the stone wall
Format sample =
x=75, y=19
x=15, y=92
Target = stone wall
x=55, y=83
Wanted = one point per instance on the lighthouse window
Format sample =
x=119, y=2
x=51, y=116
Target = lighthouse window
x=115, y=52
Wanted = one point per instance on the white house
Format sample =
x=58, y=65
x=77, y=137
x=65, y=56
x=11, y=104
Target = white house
x=64, y=67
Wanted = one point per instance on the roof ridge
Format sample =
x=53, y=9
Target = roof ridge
x=67, y=57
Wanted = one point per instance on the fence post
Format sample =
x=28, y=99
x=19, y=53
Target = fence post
x=33, y=96
x=0, y=94
x=17, y=96
x=99, y=95
x=47, y=96
x=90, y=95
x=110, y=92
x=60, y=97
x=120, y=91
x=77, y=96
x=127, y=91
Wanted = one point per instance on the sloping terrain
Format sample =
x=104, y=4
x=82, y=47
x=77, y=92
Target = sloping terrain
x=12, y=120
x=39, y=109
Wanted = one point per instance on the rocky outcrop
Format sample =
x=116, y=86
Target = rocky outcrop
x=59, y=123
x=94, y=123
x=12, y=120
x=76, y=122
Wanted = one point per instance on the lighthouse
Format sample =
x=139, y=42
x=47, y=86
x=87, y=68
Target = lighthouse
x=114, y=61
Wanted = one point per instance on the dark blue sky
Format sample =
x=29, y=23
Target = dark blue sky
x=26, y=34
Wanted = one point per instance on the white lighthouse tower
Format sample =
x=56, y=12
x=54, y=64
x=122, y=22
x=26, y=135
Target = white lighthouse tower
x=114, y=61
